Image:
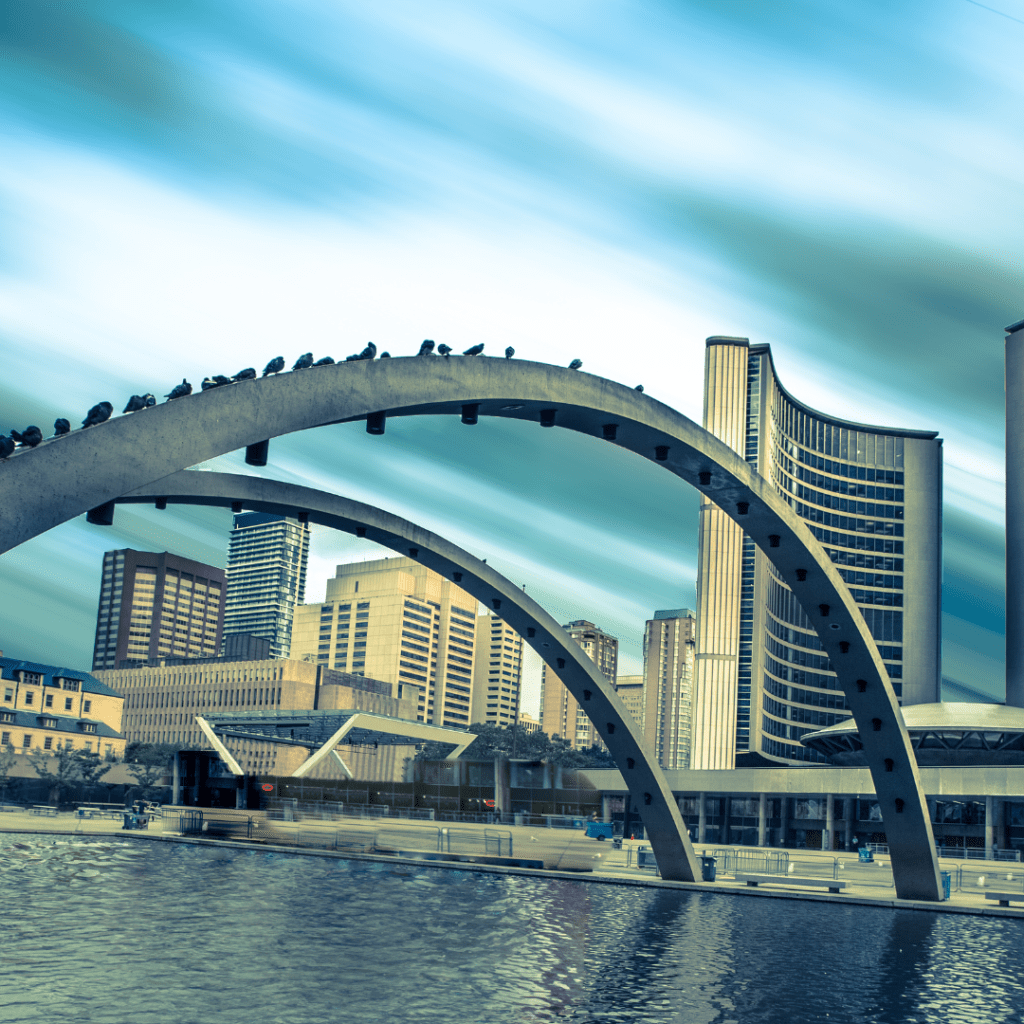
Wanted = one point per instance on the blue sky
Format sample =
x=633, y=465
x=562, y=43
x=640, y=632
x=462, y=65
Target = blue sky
x=192, y=188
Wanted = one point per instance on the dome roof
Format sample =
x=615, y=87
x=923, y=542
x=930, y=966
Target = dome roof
x=945, y=734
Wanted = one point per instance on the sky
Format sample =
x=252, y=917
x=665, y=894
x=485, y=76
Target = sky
x=192, y=188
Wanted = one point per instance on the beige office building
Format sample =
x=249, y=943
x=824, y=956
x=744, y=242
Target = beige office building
x=396, y=620
x=162, y=702
x=872, y=496
x=560, y=714
x=669, y=658
x=631, y=691
x=498, y=671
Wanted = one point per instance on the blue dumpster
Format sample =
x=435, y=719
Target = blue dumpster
x=946, y=879
x=707, y=868
x=865, y=855
x=599, y=830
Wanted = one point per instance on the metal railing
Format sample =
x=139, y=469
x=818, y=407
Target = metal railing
x=761, y=862
x=976, y=853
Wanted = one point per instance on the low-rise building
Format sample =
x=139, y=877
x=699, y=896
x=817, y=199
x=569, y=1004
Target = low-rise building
x=163, y=701
x=47, y=707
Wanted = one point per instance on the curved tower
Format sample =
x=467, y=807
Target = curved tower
x=873, y=497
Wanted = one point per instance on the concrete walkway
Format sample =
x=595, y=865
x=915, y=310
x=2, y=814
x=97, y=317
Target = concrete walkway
x=867, y=884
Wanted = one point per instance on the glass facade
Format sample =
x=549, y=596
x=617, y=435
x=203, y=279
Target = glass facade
x=266, y=577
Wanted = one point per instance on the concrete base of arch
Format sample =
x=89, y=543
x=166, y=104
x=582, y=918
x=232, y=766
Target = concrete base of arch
x=648, y=787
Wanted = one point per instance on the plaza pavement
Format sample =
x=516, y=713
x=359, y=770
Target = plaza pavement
x=569, y=850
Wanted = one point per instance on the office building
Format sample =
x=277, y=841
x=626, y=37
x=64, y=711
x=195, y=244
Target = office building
x=162, y=702
x=155, y=604
x=631, y=691
x=46, y=708
x=872, y=497
x=560, y=714
x=396, y=620
x=266, y=576
x=497, y=673
x=669, y=658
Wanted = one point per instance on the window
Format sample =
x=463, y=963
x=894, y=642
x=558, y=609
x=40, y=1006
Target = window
x=5, y=739
x=70, y=684
x=87, y=706
x=67, y=703
x=26, y=740
x=48, y=743
x=48, y=700
x=30, y=696
x=8, y=694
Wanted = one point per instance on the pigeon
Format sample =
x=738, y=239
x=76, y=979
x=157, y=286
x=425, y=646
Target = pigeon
x=137, y=402
x=247, y=374
x=29, y=437
x=426, y=348
x=61, y=427
x=98, y=414
x=444, y=350
x=179, y=390
x=303, y=361
x=369, y=352
x=274, y=366
x=352, y=359
x=215, y=382
x=475, y=350
x=6, y=447
x=509, y=352
x=639, y=388
x=326, y=361
x=385, y=355
x=575, y=364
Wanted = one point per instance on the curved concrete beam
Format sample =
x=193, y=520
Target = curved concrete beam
x=648, y=787
x=65, y=477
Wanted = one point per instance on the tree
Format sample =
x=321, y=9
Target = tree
x=497, y=741
x=7, y=761
x=67, y=771
x=149, y=763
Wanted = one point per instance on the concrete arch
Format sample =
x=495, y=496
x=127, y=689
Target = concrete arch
x=101, y=464
x=648, y=787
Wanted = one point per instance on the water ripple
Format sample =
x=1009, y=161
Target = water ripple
x=115, y=930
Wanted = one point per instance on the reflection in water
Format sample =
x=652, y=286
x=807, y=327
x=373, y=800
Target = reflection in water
x=149, y=932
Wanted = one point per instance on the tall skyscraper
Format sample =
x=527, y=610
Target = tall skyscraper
x=396, y=620
x=560, y=714
x=669, y=656
x=498, y=671
x=873, y=497
x=266, y=575
x=157, y=605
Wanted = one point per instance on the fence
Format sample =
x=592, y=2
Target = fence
x=976, y=853
x=770, y=862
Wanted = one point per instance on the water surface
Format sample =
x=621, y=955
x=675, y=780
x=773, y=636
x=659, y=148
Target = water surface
x=122, y=930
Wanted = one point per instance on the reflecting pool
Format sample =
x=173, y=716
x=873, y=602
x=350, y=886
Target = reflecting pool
x=123, y=930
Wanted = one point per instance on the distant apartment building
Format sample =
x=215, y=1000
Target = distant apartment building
x=498, y=671
x=669, y=658
x=162, y=702
x=266, y=577
x=47, y=708
x=155, y=604
x=560, y=714
x=631, y=691
x=528, y=723
x=396, y=620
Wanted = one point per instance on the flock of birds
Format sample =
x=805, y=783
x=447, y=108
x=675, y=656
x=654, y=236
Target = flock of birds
x=100, y=413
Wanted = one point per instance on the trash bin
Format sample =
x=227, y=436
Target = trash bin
x=946, y=879
x=707, y=868
x=641, y=857
x=617, y=843
x=865, y=855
